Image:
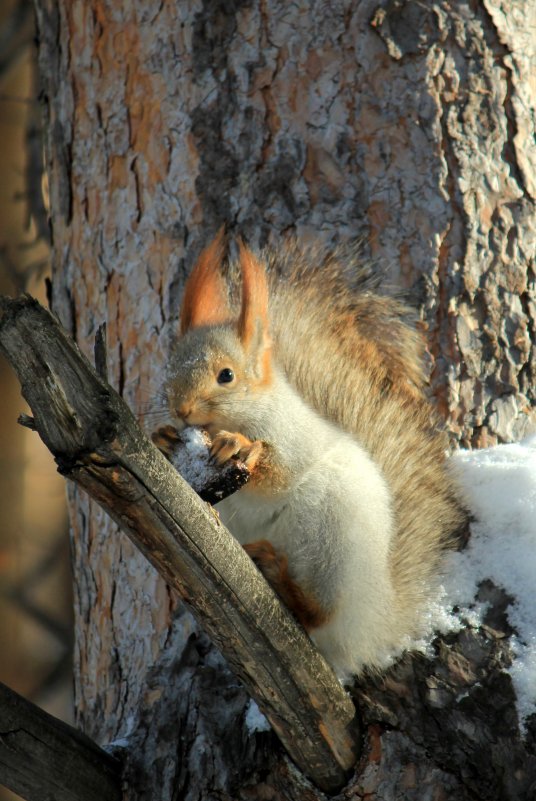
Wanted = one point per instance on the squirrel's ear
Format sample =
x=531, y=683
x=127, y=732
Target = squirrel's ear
x=205, y=295
x=253, y=325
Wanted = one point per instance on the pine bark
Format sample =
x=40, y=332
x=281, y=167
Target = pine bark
x=409, y=125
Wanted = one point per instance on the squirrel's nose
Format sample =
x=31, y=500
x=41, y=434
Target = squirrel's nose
x=184, y=410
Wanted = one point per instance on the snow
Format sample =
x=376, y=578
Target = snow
x=193, y=460
x=255, y=720
x=499, y=485
x=120, y=744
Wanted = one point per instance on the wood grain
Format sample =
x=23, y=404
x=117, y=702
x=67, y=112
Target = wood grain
x=42, y=757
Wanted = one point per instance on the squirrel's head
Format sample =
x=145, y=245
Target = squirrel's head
x=221, y=362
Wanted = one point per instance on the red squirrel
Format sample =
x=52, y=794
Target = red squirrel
x=318, y=388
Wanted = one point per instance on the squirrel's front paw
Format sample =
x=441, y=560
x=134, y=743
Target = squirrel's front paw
x=227, y=446
x=166, y=439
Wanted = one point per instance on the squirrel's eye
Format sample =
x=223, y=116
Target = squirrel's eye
x=225, y=376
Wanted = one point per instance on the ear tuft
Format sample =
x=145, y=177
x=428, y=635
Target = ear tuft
x=205, y=295
x=254, y=312
x=253, y=323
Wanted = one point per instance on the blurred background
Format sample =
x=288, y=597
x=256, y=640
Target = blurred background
x=35, y=581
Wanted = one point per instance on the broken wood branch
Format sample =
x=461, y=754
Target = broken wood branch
x=42, y=757
x=97, y=443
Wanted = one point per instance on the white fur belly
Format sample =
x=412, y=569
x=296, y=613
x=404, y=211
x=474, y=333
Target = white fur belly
x=335, y=528
x=250, y=517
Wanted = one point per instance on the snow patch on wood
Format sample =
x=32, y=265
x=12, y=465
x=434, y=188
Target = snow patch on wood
x=499, y=485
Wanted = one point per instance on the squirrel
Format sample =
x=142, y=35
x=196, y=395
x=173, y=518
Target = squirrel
x=318, y=387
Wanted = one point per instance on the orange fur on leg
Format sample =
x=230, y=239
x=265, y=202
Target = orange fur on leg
x=274, y=567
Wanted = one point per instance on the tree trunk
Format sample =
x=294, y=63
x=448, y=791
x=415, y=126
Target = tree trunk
x=407, y=124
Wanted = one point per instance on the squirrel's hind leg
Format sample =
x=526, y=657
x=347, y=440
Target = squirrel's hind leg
x=274, y=567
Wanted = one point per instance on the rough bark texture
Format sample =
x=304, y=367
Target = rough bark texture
x=409, y=124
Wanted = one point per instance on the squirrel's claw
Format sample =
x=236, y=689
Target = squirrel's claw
x=166, y=438
x=226, y=445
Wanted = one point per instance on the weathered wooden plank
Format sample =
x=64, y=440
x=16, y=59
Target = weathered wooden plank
x=97, y=443
x=41, y=757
